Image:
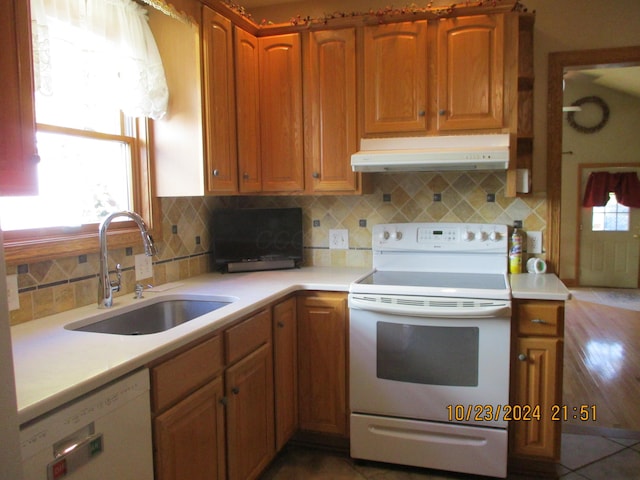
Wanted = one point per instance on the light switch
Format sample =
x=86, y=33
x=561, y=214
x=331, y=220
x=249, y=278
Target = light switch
x=13, y=298
x=144, y=266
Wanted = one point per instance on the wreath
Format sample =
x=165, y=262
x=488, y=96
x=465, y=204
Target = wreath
x=604, y=108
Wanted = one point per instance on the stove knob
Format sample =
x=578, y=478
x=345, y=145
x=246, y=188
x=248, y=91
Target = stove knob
x=396, y=235
x=495, y=236
x=467, y=236
x=482, y=236
x=384, y=235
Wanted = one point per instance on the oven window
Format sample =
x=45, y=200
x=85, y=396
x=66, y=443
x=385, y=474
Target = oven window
x=428, y=355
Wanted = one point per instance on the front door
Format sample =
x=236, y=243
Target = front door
x=609, y=248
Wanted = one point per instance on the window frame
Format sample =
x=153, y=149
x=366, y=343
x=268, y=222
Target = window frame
x=27, y=246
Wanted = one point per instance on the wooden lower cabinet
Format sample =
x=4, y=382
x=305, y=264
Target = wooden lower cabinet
x=285, y=371
x=322, y=363
x=250, y=420
x=537, y=382
x=189, y=437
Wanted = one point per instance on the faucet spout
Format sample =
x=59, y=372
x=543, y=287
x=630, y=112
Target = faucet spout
x=106, y=286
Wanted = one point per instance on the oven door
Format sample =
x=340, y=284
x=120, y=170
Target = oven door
x=451, y=367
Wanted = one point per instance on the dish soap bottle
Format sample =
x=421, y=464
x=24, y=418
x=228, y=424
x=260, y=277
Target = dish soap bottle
x=515, y=254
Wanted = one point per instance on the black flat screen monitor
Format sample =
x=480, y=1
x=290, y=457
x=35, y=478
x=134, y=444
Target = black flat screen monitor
x=257, y=239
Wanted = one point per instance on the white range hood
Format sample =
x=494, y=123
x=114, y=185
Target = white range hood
x=432, y=154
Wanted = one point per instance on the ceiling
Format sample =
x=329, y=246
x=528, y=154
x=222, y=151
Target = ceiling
x=622, y=79
x=262, y=3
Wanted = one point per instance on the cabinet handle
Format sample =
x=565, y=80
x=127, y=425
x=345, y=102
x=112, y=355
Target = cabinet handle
x=315, y=175
x=280, y=324
x=235, y=390
x=216, y=172
x=537, y=320
x=522, y=357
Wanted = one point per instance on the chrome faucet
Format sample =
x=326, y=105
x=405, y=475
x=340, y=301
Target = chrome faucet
x=106, y=286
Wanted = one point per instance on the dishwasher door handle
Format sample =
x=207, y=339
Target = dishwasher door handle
x=75, y=456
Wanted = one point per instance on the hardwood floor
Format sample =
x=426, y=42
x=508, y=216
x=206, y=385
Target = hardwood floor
x=602, y=364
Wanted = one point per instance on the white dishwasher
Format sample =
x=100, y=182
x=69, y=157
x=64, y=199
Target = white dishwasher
x=105, y=434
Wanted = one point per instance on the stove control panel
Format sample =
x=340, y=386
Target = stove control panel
x=454, y=237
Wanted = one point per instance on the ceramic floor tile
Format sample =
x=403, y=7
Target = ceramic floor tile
x=624, y=465
x=580, y=450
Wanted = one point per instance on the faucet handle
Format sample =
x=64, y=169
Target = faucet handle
x=115, y=284
x=139, y=289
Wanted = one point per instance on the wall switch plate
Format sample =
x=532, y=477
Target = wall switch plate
x=534, y=242
x=144, y=266
x=339, y=239
x=13, y=298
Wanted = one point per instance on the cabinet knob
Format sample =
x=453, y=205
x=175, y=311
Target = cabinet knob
x=235, y=390
x=224, y=401
x=442, y=112
x=422, y=113
x=315, y=175
x=216, y=172
x=281, y=324
x=537, y=320
x=246, y=176
x=522, y=357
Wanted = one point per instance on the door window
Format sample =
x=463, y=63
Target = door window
x=613, y=217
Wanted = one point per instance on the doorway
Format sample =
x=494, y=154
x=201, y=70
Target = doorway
x=608, y=246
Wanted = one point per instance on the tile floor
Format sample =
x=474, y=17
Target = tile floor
x=590, y=457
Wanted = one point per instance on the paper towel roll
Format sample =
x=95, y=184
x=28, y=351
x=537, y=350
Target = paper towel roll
x=536, y=265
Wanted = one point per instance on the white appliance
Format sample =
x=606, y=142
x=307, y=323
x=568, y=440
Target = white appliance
x=435, y=153
x=429, y=348
x=105, y=434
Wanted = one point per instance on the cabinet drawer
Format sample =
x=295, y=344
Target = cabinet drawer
x=185, y=372
x=247, y=336
x=540, y=318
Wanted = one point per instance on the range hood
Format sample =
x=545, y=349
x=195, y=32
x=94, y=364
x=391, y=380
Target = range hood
x=432, y=154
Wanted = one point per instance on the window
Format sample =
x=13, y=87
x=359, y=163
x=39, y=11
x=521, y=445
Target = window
x=93, y=155
x=613, y=217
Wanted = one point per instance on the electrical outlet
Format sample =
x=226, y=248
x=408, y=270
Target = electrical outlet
x=534, y=242
x=13, y=299
x=339, y=239
x=144, y=266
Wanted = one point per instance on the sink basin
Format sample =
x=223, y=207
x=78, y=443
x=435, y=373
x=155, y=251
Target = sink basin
x=152, y=318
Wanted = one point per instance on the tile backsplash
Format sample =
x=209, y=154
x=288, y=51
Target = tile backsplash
x=54, y=286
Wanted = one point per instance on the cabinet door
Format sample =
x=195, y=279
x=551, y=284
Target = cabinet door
x=322, y=363
x=18, y=159
x=250, y=427
x=470, y=72
x=189, y=437
x=219, y=103
x=395, y=77
x=248, y=111
x=285, y=337
x=281, y=113
x=538, y=382
x=330, y=110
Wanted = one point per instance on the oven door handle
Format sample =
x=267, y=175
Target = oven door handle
x=431, y=307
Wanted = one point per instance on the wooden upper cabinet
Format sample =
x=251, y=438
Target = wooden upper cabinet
x=470, y=73
x=281, y=113
x=219, y=103
x=18, y=158
x=330, y=102
x=395, y=78
x=248, y=111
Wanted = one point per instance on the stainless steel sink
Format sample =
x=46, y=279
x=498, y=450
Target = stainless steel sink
x=152, y=318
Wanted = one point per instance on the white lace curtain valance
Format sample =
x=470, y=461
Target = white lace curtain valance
x=116, y=33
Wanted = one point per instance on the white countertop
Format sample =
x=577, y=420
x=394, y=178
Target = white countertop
x=538, y=286
x=54, y=366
